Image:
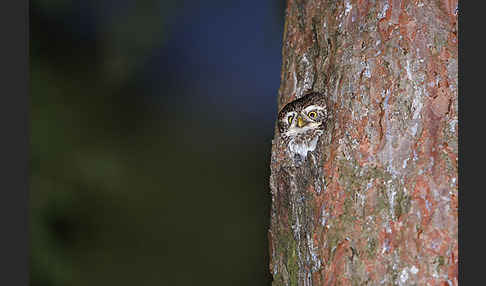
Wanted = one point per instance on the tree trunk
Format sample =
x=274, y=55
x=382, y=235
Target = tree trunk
x=376, y=202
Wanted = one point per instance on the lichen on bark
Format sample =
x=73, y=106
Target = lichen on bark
x=376, y=202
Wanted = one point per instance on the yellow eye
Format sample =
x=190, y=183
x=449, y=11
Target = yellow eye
x=312, y=114
x=291, y=117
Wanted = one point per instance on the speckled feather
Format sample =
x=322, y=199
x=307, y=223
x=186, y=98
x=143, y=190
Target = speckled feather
x=303, y=139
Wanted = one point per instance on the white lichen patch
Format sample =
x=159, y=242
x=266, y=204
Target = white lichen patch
x=403, y=277
x=361, y=199
x=453, y=125
x=313, y=251
x=453, y=182
x=324, y=216
x=417, y=106
x=383, y=11
x=385, y=247
x=367, y=71
x=405, y=163
x=413, y=128
x=409, y=72
x=304, y=68
x=452, y=74
x=414, y=270
x=348, y=7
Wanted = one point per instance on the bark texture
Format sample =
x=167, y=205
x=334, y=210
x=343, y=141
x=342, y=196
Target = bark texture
x=376, y=202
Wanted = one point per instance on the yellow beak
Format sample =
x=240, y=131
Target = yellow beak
x=300, y=122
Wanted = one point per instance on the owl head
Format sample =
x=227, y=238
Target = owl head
x=303, y=116
x=301, y=123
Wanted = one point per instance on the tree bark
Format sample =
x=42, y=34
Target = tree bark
x=376, y=202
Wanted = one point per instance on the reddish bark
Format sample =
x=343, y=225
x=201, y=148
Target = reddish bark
x=376, y=202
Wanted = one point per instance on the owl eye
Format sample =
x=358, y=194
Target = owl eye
x=312, y=114
x=290, y=119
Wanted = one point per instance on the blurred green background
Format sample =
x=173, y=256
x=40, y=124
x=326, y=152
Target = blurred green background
x=151, y=128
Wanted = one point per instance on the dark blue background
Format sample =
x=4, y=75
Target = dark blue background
x=151, y=128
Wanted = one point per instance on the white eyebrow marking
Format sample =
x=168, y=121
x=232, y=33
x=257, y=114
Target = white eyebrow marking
x=314, y=107
x=291, y=113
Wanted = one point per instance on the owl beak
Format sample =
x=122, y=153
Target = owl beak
x=300, y=122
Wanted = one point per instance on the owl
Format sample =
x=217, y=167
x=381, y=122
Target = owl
x=301, y=123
